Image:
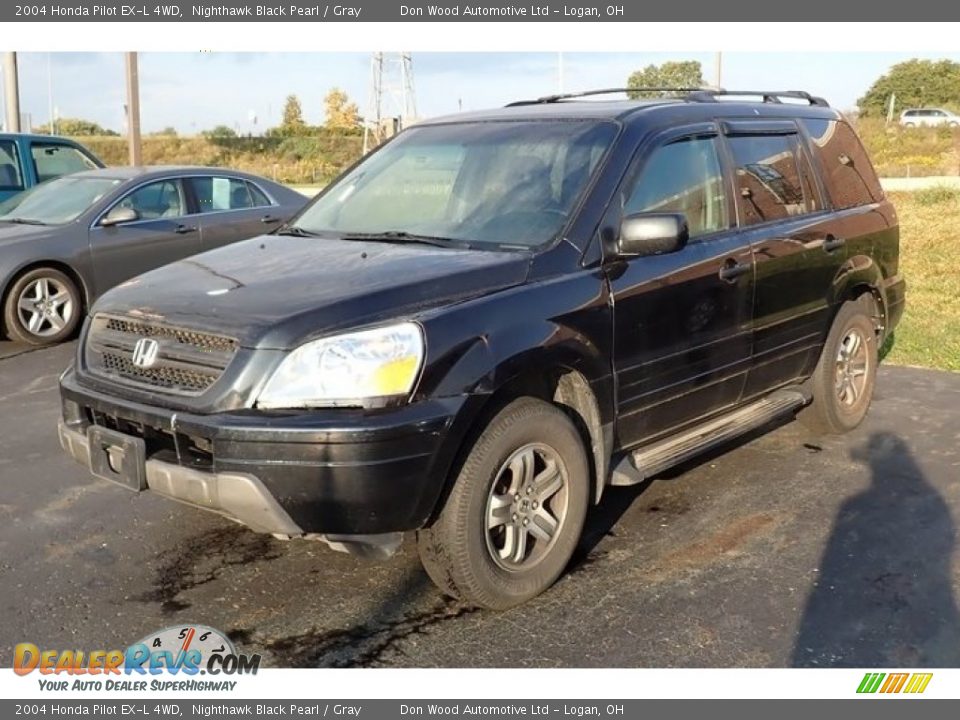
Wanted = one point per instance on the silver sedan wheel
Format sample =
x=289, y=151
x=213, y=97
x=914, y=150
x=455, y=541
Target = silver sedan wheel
x=45, y=307
x=851, y=367
x=526, y=507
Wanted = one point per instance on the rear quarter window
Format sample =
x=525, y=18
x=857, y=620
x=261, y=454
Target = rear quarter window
x=10, y=176
x=847, y=171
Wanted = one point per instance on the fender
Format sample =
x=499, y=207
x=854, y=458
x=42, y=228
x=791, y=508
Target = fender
x=558, y=329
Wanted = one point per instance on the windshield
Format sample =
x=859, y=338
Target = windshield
x=496, y=183
x=57, y=201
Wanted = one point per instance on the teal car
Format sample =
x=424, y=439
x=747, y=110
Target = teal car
x=27, y=160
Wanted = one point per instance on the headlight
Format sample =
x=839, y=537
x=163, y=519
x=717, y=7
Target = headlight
x=348, y=370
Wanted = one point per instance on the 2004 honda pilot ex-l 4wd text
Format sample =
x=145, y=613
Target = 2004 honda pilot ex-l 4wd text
x=481, y=324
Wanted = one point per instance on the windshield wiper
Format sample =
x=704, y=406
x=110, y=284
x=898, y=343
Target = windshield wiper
x=401, y=236
x=295, y=231
x=22, y=221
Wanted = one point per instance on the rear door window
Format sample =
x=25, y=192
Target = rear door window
x=847, y=172
x=772, y=181
x=220, y=194
x=51, y=160
x=11, y=177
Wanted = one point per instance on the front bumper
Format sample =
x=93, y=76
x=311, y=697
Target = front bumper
x=328, y=472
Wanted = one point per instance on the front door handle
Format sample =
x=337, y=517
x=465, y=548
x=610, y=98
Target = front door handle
x=832, y=242
x=267, y=219
x=731, y=270
x=184, y=229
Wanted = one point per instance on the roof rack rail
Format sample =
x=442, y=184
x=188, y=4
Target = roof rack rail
x=700, y=94
x=769, y=96
x=603, y=91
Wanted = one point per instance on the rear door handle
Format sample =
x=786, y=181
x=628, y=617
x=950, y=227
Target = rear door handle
x=732, y=269
x=267, y=219
x=184, y=229
x=832, y=242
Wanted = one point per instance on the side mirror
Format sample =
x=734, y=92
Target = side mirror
x=652, y=234
x=118, y=216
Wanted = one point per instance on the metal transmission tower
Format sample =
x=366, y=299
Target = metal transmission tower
x=393, y=102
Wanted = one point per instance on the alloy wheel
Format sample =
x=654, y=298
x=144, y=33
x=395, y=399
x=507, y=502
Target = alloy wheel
x=526, y=507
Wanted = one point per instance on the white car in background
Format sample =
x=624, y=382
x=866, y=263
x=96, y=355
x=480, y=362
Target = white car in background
x=930, y=117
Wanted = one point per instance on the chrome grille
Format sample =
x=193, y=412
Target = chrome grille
x=188, y=362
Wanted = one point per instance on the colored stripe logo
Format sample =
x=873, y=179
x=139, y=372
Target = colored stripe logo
x=913, y=683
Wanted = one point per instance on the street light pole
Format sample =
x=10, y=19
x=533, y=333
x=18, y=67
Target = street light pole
x=133, y=109
x=12, y=91
x=719, y=70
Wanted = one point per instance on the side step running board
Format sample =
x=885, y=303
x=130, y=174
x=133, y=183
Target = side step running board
x=652, y=459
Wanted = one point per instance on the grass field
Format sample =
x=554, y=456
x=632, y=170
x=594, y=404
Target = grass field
x=929, y=334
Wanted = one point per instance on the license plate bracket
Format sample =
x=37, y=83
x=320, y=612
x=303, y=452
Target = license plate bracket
x=117, y=457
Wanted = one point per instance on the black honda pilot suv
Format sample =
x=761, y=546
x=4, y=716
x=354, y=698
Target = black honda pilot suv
x=478, y=327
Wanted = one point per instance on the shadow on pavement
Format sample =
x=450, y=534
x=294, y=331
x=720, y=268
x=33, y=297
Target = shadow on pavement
x=885, y=594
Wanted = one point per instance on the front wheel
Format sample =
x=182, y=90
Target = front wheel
x=515, y=512
x=843, y=381
x=43, y=307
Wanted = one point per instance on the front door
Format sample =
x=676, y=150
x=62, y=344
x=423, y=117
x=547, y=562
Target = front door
x=162, y=233
x=681, y=320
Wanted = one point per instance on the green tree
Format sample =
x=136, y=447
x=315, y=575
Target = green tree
x=168, y=131
x=75, y=127
x=220, y=131
x=682, y=74
x=916, y=83
x=341, y=113
x=293, y=123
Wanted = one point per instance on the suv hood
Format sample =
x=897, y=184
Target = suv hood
x=278, y=291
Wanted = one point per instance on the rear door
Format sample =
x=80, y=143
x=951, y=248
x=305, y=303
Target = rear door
x=231, y=209
x=681, y=320
x=797, y=252
x=163, y=232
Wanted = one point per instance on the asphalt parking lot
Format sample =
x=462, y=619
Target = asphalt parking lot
x=785, y=550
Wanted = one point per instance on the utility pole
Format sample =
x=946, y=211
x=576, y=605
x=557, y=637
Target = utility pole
x=12, y=91
x=52, y=127
x=133, y=109
x=719, y=69
x=559, y=72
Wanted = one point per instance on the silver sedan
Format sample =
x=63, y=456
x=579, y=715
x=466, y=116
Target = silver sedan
x=65, y=242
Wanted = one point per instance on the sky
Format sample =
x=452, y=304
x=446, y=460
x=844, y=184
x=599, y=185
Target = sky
x=246, y=91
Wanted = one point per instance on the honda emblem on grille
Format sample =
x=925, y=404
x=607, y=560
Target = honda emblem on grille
x=145, y=352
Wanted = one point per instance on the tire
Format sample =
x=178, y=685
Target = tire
x=518, y=558
x=841, y=394
x=43, y=307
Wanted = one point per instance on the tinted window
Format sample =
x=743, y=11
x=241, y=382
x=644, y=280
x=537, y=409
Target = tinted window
x=256, y=194
x=769, y=182
x=10, y=176
x=683, y=177
x=52, y=161
x=847, y=172
x=160, y=199
x=216, y=194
